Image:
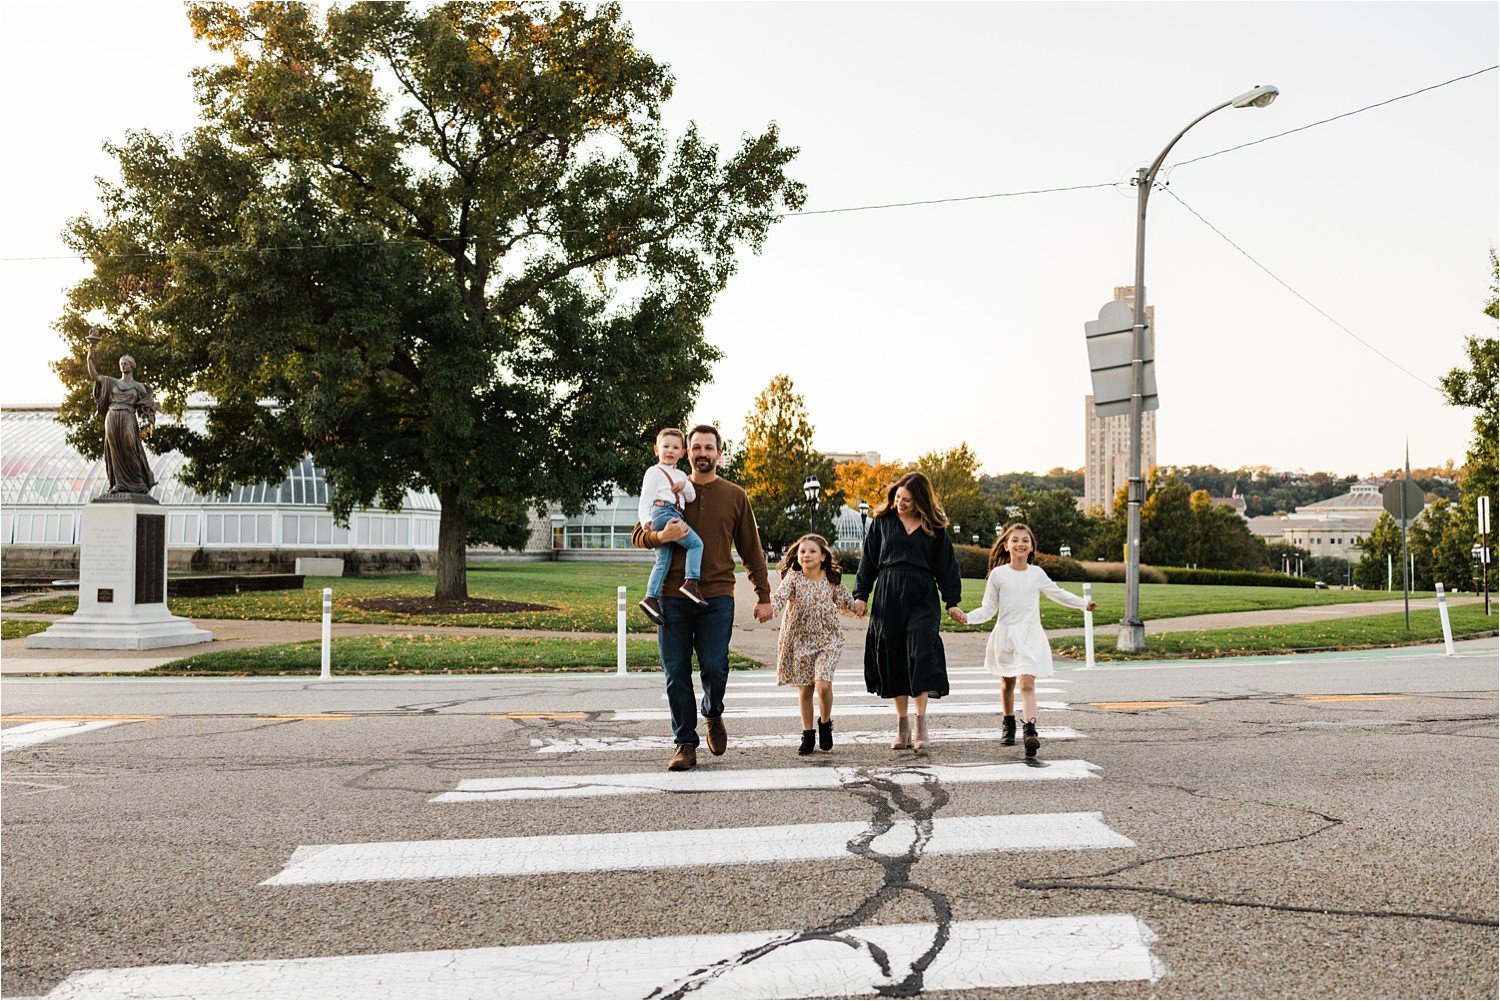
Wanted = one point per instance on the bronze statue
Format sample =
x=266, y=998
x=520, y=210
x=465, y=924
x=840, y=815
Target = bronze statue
x=129, y=415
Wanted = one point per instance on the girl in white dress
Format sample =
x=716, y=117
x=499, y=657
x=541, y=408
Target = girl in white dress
x=1018, y=647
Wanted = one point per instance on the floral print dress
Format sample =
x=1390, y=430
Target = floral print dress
x=810, y=643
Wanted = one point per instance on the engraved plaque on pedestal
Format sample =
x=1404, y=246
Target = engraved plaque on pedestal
x=122, y=585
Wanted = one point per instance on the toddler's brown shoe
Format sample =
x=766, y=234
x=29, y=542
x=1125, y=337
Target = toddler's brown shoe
x=689, y=590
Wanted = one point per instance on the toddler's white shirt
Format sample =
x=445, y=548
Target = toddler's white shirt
x=657, y=485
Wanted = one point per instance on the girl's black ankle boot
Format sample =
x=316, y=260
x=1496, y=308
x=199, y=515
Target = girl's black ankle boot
x=809, y=737
x=1008, y=735
x=825, y=734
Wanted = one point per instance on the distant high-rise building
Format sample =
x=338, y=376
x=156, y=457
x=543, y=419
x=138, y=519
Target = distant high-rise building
x=1106, y=466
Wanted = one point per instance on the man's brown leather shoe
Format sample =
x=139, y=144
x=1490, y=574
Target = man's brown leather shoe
x=685, y=758
x=718, y=737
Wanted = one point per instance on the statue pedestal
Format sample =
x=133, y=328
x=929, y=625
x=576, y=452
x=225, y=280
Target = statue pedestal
x=122, y=585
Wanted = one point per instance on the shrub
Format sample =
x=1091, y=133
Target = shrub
x=1061, y=567
x=1241, y=578
x=972, y=561
x=848, y=560
x=1114, y=573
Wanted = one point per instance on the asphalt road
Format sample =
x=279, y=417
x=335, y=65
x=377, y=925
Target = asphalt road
x=1248, y=838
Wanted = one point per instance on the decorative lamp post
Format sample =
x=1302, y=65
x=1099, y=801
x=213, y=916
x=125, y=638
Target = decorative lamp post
x=864, y=517
x=1132, y=637
x=1065, y=550
x=975, y=537
x=810, y=488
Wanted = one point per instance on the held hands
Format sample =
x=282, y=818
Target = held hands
x=957, y=615
x=763, y=612
x=861, y=609
x=674, y=530
x=1091, y=606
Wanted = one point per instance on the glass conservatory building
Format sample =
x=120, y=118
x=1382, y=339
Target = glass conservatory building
x=45, y=483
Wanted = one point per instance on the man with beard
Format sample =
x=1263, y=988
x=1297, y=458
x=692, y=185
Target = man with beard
x=722, y=518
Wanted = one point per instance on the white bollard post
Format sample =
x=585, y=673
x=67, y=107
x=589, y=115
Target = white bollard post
x=1088, y=628
x=327, y=634
x=620, y=631
x=1447, y=626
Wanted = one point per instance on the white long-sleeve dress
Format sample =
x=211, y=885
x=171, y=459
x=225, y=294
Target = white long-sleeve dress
x=1018, y=644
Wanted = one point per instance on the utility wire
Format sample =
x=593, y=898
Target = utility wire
x=1294, y=292
x=944, y=201
x=1325, y=121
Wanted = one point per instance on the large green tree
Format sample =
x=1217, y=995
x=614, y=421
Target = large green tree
x=1475, y=387
x=448, y=247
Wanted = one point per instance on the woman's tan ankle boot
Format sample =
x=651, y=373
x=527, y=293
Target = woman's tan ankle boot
x=919, y=742
x=903, y=734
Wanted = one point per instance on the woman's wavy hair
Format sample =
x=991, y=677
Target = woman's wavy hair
x=831, y=570
x=924, y=499
x=1000, y=553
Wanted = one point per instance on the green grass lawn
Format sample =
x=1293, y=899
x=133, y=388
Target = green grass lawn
x=12, y=629
x=1162, y=601
x=583, y=596
x=1357, y=633
x=427, y=654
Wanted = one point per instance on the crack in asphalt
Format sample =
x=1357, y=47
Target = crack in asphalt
x=886, y=798
x=1330, y=823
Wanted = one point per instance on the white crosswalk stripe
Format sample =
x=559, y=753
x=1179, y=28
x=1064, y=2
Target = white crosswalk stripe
x=531, y=856
x=755, y=779
x=937, y=708
x=978, y=955
x=30, y=734
x=664, y=742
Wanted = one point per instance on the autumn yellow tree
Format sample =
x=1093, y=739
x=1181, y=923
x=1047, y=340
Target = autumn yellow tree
x=775, y=460
x=861, y=481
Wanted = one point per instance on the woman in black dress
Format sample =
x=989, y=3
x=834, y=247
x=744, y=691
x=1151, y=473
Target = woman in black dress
x=909, y=556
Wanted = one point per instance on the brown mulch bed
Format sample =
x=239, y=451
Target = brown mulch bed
x=412, y=604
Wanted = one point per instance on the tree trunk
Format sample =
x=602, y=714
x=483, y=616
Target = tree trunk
x=453, y=531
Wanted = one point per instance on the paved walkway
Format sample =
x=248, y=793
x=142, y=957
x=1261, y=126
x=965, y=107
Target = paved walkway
x=750, y=638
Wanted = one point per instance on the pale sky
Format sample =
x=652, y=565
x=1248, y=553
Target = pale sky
x=909, y=329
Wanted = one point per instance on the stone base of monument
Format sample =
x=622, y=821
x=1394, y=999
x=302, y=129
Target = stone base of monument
x=122, y=583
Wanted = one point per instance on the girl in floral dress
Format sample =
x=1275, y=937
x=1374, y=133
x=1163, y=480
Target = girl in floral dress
x=810, y=643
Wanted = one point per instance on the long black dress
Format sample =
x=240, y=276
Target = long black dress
x=907, y=570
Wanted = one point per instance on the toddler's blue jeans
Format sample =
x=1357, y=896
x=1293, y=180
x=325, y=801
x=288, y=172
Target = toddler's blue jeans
x=660, y=515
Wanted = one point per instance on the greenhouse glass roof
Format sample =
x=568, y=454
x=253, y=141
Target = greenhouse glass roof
x=39, y=467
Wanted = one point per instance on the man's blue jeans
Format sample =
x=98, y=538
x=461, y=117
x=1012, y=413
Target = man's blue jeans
x=688, y=627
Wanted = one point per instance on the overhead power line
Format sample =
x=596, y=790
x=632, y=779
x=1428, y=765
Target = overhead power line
x=1320, y=311
x=944, y=201
x=1325, y=121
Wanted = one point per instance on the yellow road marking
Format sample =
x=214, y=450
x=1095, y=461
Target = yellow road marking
x=539, y=716
x=1142, y=705
x=310, y=716
x=1355, y=698
x=78, y=719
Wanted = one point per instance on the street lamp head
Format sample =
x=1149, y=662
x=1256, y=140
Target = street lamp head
x=864, y=508
x=1256, y=97
x=810, y=489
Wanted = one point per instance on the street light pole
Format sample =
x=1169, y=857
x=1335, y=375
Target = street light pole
x=1132, y=630
x=810, y=488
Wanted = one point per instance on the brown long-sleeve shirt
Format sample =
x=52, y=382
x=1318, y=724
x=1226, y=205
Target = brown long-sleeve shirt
x=723, y=520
